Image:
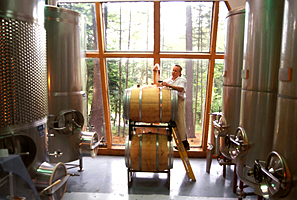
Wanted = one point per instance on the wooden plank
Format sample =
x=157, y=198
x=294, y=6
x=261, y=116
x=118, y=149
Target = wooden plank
x=157, y=32
x=103, y=73
x=215, y=20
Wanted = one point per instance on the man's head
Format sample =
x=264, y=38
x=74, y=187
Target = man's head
x=176, y=71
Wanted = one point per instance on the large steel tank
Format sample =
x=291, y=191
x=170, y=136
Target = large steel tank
x=23, y=84
x=228, y=120
x=67, y=86
x=24, y=95
x=254, y=136
x=279, y=174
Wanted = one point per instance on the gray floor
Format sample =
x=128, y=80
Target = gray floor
x=105, y=177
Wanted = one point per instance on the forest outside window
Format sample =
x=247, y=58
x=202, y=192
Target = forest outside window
x=128, y=26
x=186, y=26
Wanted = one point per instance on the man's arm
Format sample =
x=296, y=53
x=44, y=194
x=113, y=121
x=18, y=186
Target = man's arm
x=178, y=88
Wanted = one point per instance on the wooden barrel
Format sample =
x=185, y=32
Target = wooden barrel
x=149, y=153
x=150, y=104
x=150, y=130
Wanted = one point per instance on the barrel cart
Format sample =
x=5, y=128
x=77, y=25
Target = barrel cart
x=151, y=111
x=149, y=149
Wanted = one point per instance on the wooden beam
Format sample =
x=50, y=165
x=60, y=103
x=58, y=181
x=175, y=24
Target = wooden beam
x=228, y=5
x=157, y=32
x=103, y=73
x=152, y=55
x=213, y=43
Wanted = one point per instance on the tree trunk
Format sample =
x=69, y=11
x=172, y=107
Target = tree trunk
x=127, y=65
x=189, y=74
x=196, y=94
x=120, y=97
x=97, y=111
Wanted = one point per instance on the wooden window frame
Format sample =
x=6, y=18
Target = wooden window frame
x=156, y=55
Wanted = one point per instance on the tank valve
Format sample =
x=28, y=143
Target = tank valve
x=274, y=177
x=220, y=124
x=57, y=153
x=239, y=144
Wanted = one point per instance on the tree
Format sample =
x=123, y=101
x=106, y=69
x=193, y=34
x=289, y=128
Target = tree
x=189, y=74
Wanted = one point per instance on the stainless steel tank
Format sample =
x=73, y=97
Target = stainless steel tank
x=254, y=136
x=23, y=84
x=281, y=181
x=24, y=89
x=228, y=120
x=67, y=86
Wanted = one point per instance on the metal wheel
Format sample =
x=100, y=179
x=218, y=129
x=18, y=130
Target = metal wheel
x=129, y=173
x=279, y=183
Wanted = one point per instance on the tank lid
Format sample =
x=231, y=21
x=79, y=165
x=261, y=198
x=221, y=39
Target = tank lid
x=60, y=10
x=238, y=10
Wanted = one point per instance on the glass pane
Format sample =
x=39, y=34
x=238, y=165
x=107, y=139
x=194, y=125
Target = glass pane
x=124, y=73
x=195, y=71
x=129, y=26
x=222, y=27
x=217, y=88
x=87, y=10
x=217, y=95
x=96, y=120
x=186, y=26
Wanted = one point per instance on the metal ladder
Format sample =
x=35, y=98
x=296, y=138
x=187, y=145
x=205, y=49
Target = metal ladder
x=184, y=156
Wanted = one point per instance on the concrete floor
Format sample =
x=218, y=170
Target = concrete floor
x=105, y=177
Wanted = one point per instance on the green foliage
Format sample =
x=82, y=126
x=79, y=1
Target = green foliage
x=217, y=94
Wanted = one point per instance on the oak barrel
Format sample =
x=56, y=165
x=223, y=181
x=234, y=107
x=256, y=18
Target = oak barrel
x=150, y=104
x=149, y=153
x=149, y=130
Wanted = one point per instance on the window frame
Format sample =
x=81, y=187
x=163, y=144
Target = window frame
x=101, y=54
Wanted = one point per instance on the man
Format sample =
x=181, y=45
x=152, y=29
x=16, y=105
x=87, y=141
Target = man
x=176, y=82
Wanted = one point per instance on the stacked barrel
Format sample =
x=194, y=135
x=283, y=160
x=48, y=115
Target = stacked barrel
x=149, y=144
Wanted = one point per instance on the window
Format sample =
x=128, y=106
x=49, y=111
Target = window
x=128, y=52
x=128, y=26
x=222, y=27
x=186, y=26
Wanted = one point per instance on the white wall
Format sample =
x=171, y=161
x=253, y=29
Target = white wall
x=236, y=3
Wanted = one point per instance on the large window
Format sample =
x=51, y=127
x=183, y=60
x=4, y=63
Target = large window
x=125, y=39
